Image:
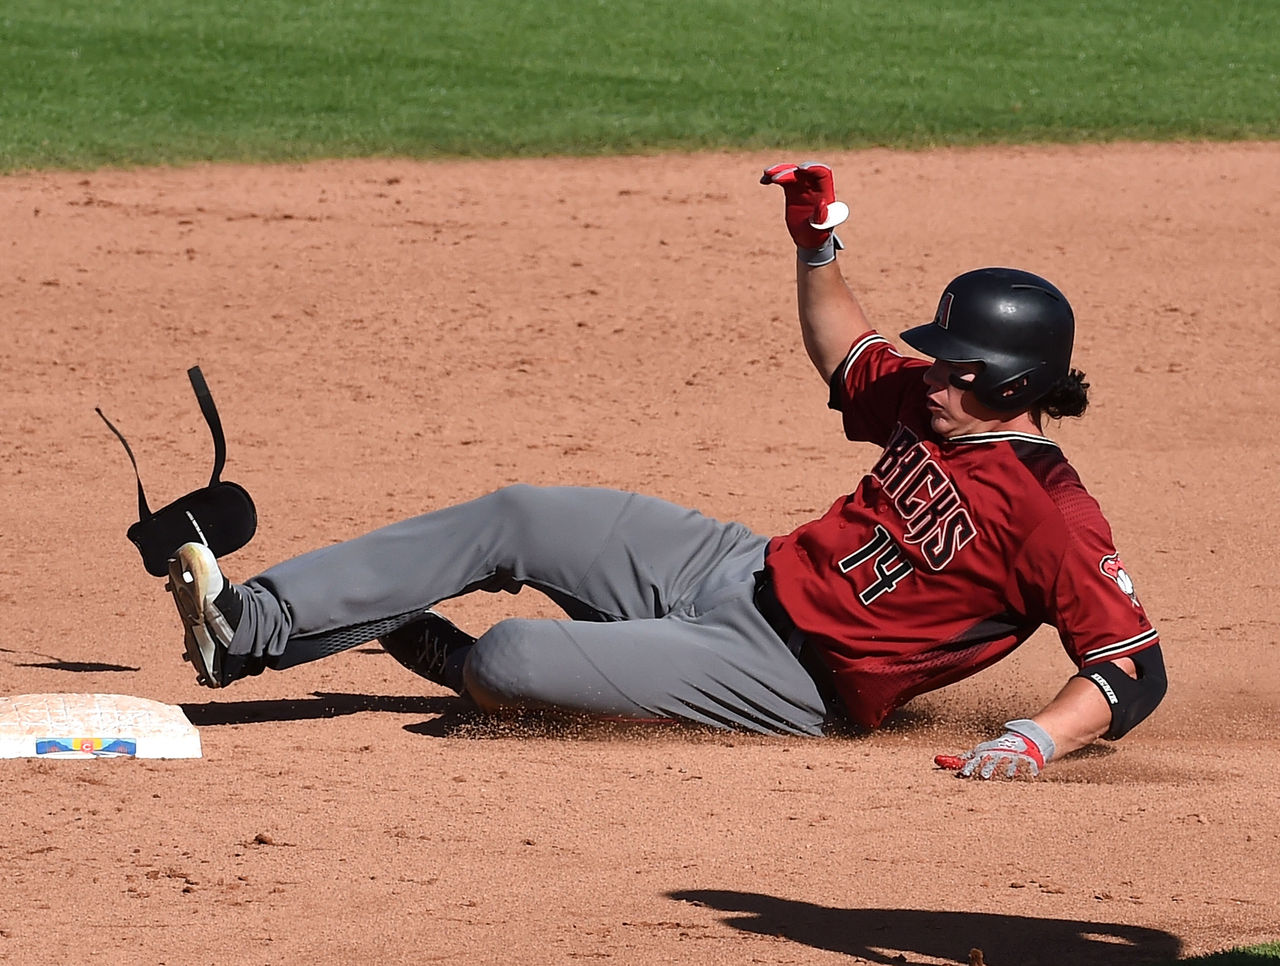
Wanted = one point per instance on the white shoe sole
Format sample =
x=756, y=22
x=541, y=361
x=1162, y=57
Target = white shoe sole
x=188, y=595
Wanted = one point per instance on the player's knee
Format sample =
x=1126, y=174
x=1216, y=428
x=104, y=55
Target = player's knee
x=500, y=670
x=516, y=500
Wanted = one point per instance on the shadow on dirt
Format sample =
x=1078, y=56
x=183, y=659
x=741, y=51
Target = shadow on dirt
x=464, y=720
x=896, y=935
x=52, y=662
x=318, y=705
x=79, y=667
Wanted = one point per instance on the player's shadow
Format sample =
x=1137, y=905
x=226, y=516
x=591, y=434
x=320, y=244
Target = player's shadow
x=318, y=705
x=896, y=935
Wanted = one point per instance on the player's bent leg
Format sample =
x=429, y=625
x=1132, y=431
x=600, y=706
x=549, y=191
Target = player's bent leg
x=608, y=554
x=664, y=668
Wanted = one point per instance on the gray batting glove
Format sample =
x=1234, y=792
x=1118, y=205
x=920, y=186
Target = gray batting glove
x=1021, y=752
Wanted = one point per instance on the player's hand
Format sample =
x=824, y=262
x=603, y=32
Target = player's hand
x=1021, y=752
x=811, y=207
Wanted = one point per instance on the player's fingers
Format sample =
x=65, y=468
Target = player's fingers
x=779, y=174
x=817, y=168
x=817, y=177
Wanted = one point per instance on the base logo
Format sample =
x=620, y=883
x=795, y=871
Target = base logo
x=79, y=747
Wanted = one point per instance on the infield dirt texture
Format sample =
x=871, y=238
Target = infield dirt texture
x=385, y=337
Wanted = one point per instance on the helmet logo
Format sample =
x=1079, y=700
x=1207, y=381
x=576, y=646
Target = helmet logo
x=943, y=319
x=1113, y=568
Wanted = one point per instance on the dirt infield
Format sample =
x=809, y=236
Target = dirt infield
x=384, y=337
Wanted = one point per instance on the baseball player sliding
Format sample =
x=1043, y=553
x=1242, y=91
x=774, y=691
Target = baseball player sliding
x=970, y=531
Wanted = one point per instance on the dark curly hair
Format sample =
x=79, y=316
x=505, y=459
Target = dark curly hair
x=1069, y=396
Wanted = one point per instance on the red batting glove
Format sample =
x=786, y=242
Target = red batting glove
x=1021, y=752
x=811, y=208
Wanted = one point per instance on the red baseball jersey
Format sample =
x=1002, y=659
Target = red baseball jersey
x=950, y=552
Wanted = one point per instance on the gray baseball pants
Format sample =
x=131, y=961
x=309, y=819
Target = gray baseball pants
x=659, y=599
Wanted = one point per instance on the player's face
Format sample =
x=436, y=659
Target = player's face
x=955, y=411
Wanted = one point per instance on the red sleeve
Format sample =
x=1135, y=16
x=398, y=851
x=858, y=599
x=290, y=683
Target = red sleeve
x=1091, y=598
x=875, y=388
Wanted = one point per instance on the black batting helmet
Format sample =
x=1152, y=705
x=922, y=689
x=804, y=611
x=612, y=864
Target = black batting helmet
x=1018, y=326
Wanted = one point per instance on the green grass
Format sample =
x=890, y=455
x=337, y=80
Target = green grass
x=91, y=82
x=1269, y=953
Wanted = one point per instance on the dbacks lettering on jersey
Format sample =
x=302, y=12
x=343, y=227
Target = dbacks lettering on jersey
x=931, y=509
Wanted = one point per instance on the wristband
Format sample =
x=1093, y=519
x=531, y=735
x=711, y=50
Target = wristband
x=825, y=254
x=1034, y=733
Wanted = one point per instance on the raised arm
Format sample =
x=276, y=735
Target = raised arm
x=830, y=316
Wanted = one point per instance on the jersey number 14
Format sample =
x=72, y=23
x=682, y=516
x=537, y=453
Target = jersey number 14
x=888, y=565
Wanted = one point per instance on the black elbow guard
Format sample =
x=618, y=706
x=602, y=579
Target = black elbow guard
x=1131, y=699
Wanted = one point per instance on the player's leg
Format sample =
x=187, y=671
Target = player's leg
x=723, y=667
x=601, y=554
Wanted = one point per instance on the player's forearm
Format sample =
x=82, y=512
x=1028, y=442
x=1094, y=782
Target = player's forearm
x=1077, y=716
x=830, y=316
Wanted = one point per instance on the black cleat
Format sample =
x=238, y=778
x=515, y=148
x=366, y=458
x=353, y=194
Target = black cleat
x=428, y=646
